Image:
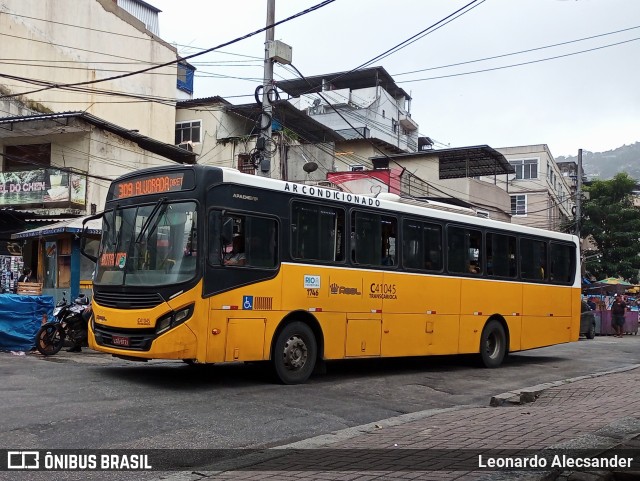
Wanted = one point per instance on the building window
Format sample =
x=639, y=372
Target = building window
x=245, y=165
x=518, y=205
x=525, y=168
x=185, y=77
x=19, y=158
x=188, y=132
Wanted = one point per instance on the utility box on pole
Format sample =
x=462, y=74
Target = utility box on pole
x=279, y=52
x=274, y=51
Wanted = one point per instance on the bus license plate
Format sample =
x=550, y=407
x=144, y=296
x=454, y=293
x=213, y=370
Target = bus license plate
x=120, y=341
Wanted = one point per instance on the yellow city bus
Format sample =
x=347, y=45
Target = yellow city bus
x=210, y=265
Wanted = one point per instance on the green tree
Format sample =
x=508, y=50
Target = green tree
x=613, y=222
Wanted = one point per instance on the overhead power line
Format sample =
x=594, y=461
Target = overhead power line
x=517, y=53
x=173, y=62
x=521, y=63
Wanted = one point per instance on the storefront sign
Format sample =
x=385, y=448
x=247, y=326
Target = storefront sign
x=41, y=186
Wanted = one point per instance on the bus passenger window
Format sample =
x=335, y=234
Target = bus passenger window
x=422, y=245
x=317, y=232
x=465, y=250
x=389, y=256
x=261, y=242
x=533, y=259
x=500, y=255
x=374, y=239
x=562, y=263
x=242, y=241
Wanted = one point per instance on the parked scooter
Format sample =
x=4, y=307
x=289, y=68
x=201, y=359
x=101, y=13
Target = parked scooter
x=70, y=322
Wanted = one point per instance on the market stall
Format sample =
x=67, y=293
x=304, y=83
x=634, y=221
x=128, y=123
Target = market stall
x=20, y=319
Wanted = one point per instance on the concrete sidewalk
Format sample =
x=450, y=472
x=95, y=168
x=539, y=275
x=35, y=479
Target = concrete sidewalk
x=600, y=413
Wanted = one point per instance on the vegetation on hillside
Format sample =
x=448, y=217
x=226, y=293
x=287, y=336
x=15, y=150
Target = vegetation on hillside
x=605, y=165
x=613, y=223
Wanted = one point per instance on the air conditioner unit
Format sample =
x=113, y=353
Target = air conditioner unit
x=186, y=146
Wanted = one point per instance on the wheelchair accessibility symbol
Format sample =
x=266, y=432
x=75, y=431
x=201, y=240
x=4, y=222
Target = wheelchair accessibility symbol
x=247, y=302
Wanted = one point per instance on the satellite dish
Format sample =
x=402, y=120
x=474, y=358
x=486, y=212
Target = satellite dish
x=310, y=167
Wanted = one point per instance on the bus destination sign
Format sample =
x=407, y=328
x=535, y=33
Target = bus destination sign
x=151, y=184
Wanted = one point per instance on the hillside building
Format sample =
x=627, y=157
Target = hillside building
x=366, y=107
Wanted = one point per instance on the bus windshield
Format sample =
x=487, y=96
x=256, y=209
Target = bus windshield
x=148, y=245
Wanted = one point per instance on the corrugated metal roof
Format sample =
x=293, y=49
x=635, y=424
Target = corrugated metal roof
x=94, y=226
x=169, y=151
x=354, y=80
x=455, y=163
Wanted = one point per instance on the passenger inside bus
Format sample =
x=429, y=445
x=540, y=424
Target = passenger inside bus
x=236, y=257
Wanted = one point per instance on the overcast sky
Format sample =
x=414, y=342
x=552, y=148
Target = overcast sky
x=589, y=100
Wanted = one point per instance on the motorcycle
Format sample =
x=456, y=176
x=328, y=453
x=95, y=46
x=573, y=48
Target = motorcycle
x=70, y=323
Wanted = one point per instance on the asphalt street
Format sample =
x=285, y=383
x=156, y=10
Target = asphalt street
x=90, y=400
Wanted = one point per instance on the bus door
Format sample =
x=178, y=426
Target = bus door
x=540, y=324
x=242, y=258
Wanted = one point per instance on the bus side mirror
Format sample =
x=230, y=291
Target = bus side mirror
x=83, y=237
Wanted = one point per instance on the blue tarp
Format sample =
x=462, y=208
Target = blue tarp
x=20, y=319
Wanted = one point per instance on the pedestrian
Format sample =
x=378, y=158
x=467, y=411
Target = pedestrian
x=618, y=308
x=26, y=276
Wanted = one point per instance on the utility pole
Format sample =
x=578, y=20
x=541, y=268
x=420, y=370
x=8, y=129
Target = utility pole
x=267, y=84
x=579, y=194
x=579, y=210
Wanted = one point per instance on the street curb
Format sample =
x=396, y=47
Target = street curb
x=348, y=433
x=530, y=394
x=527, y=394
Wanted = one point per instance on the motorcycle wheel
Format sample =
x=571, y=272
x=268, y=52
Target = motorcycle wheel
x=49, y=339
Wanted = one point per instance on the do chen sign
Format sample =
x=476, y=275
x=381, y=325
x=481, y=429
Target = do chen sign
x=42, y=186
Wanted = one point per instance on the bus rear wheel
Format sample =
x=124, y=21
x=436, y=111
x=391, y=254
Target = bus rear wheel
x=294, y=353
x=493, y=344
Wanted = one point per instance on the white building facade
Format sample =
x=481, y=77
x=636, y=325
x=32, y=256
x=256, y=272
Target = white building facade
x=541, y=196
x=366, y=107
x=94, y=45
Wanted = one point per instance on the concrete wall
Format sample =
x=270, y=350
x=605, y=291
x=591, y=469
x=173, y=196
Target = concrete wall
x=101, y=155
x=79, y=54
x=298, y=155
x=226, y=135
x=549, y=201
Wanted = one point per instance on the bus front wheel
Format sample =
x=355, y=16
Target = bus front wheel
x=294, y=354
x=493, y=344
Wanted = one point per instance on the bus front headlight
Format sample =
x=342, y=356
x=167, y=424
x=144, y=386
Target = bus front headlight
x=173, y=318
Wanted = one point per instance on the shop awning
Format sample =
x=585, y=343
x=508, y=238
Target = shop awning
x=72, y=225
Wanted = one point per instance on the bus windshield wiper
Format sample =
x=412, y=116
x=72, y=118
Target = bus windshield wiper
x=146, y=224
